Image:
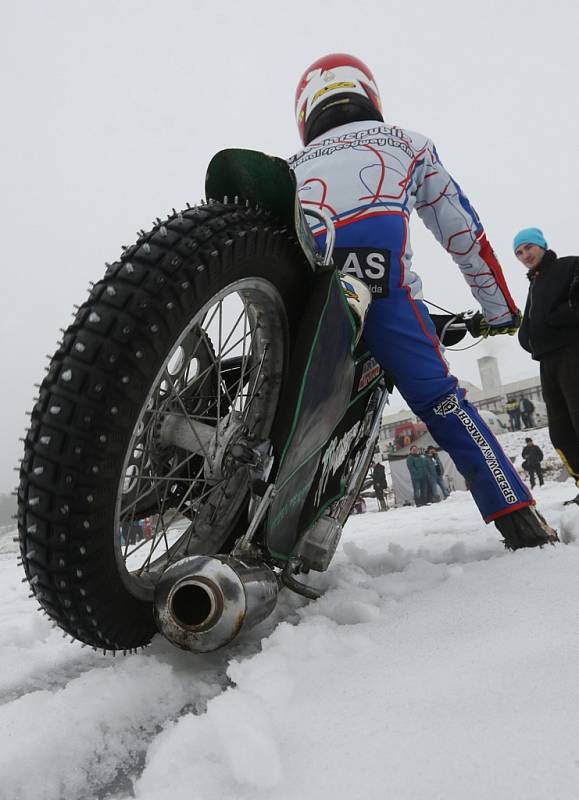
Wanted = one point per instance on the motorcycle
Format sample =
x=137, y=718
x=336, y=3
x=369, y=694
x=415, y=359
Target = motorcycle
x=205, y=425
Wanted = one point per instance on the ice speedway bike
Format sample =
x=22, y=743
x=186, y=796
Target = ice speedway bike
x=205, y=425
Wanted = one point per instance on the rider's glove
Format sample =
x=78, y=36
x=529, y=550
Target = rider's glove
x=478, y=326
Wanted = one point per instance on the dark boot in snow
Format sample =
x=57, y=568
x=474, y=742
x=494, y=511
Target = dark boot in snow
x=570, y=502
x=525, y=528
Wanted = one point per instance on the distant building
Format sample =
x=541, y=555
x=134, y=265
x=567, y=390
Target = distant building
x=492, y=397
x=488, y=368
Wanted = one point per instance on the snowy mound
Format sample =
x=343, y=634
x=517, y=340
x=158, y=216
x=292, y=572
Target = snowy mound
x=431, y=652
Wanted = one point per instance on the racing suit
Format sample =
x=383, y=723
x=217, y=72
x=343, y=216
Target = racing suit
x=370, y=176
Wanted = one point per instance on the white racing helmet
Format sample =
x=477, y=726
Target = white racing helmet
x=334, y=90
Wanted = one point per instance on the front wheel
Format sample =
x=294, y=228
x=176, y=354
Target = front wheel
x=178, y=355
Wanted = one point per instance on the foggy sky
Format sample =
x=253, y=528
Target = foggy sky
x=113, y=109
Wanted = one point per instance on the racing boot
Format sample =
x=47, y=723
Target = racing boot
x=525, y=528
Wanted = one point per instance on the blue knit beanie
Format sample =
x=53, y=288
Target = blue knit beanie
x=529, y=236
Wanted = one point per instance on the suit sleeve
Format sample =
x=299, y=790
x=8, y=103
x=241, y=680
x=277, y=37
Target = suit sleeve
x=448, y=214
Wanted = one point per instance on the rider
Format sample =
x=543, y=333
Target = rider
x=369, y=176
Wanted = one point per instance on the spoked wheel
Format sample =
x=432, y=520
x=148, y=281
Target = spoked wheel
x=177, y=359
x=181, y=488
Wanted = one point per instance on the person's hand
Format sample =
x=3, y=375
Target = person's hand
x=478, y=326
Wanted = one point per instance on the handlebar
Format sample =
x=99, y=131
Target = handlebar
x=451, y=328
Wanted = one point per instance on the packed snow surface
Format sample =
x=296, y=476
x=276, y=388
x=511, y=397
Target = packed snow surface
x=435, y=665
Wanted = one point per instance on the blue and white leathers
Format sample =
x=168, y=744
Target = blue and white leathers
x=370, y=176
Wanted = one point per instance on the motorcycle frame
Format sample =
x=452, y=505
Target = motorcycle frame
x=268, y=182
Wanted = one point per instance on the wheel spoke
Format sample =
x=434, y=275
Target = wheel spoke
x=168, y=477
x=195, y=393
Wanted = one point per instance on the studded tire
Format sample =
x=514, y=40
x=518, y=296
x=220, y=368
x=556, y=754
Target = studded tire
x=94, y=389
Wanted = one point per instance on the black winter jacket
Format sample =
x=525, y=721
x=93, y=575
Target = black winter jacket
x=549, y=323
x=532, y=454
x=379, y=476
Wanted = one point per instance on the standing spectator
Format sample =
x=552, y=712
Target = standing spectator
x=527, y=411
x=434, y=493
x=532, y=457
x=514, y=413
x=549, y=332
x=418, y=469
x=439, y=469
x=380, y=484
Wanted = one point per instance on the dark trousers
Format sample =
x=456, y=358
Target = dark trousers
x=421, y=490
x=560, y=385
x=535, y=470
x=515, y=419
x=380, y=497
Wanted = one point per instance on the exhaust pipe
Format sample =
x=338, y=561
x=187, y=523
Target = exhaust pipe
x=203, y=602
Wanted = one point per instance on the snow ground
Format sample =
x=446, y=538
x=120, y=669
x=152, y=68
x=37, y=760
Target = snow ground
x=436, y=665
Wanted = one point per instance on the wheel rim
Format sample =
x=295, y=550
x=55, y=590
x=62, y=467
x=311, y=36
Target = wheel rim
x=179, y=492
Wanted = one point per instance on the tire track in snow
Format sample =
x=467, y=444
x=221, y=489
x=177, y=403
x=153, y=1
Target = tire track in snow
x=92, y=721
x=78, y=724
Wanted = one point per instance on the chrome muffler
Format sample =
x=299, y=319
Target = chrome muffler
x=203, y=602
